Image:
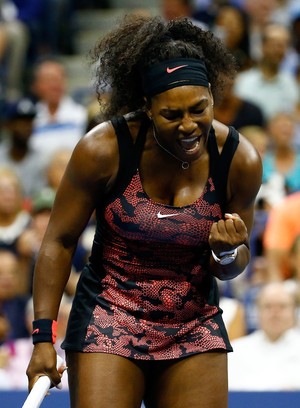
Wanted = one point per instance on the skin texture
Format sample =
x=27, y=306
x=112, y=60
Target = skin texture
x=103, y=380
x=89, y=176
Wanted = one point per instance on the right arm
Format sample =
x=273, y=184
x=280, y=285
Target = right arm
x=87, y=178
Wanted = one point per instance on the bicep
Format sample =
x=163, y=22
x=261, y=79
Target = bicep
x=72, y=209
x=244, y=182
x=83, y=186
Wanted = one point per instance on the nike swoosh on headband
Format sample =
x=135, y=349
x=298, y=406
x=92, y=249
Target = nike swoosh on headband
x=159, y=215
x=170, y=70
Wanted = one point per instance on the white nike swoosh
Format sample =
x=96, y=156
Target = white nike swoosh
x=159, y=215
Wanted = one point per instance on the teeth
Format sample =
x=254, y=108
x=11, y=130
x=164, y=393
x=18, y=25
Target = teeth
x=189, y=144
x=190, y=140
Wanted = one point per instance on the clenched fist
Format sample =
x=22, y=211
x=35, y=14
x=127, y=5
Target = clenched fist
x=227, y=234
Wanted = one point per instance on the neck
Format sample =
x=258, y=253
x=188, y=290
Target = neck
x=269, y=71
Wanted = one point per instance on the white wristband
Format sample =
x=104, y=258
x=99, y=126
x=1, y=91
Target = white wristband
x=226, y=257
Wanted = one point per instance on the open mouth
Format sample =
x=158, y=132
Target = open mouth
x=189, y=144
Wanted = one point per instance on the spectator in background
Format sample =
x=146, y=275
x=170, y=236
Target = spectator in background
x=260, y=14
x=255, y=277
x=231, y=25
x=12, y=303
x=15, y=149
x=295, y=265
x=206, y=10
x=281, y=233
x=60, y=121
x=58, y=27
x=50, y=26
x=268, y=359
x=233, y=313
x=236, y=111
x=30, y=13
x=172, y=9
x=4, y=327
x=56, y=167
x=13, y=218
x=29, y=241
x=257, y=136
x=14, y=43
x=265, y=85
x=282, y=160
x=5, y=383
x=292, y=59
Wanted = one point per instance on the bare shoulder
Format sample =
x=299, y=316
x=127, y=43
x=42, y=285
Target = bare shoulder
x=247, y=156
x=221, y=132
x=246, y=169
x=96, y=156
x=100, y=142
x=248, y=159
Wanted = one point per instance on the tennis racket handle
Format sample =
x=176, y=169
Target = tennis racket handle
x=40, y=389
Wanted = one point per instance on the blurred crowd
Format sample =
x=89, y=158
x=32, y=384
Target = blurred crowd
x=41, y=122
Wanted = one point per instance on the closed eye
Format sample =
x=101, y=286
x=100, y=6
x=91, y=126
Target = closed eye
x=197, y=111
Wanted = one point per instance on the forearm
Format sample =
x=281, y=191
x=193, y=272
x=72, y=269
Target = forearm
x=51, y=274
x=230, y=271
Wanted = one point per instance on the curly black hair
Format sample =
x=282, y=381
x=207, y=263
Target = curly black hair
x=138, y=42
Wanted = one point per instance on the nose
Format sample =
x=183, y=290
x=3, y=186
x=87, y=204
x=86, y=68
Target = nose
x=187, y=125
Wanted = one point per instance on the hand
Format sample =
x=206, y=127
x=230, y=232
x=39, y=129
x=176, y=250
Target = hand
x=43, y=362
x=228, y=234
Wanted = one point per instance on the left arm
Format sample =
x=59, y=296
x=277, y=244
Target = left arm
x=233, y=232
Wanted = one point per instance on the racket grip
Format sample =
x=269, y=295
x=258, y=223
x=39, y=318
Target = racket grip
x=40, y=389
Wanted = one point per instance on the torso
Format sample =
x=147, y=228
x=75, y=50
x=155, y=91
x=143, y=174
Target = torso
x=155, y=298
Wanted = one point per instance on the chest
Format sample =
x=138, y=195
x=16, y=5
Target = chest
x=169, y=186
x=133, y=216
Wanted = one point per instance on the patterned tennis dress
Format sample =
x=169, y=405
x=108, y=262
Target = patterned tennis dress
x=146, y=292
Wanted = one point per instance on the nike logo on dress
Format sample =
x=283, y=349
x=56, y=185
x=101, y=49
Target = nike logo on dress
x=170, y=70
x=159, y=215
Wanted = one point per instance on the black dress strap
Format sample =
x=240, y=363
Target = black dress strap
x=129, y=152
x=220, y=163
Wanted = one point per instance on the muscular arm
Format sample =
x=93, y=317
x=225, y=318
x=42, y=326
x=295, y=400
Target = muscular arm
x=243, y=184
x=87, y=177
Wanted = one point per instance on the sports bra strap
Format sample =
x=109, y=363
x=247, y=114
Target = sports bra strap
x=129, y=152
x=220, y=163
